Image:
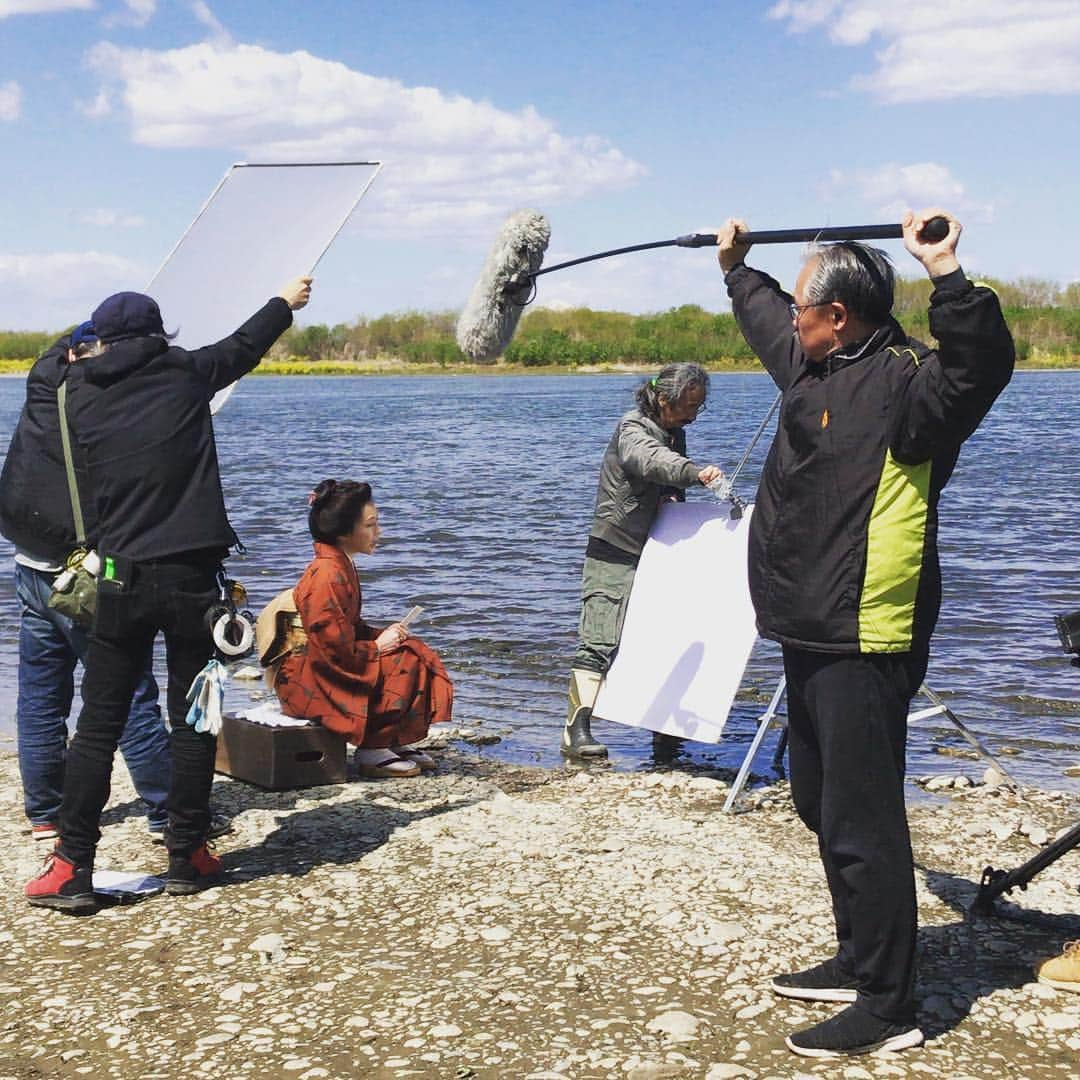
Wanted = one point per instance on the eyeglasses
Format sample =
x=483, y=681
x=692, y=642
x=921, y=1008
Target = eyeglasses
x=797, y=309
x=688, y=409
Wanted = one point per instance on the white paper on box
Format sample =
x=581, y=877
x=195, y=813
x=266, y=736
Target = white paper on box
x=689, y=626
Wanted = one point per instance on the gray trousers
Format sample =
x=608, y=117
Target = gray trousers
x=605, y=589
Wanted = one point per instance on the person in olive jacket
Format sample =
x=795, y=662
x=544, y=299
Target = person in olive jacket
x=140, y=411
x=844, y=574
x=645, y=463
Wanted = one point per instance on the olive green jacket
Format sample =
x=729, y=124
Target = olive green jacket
x=643, y=464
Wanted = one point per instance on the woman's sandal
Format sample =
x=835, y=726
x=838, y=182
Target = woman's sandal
x=424, y=760
x=383, y=763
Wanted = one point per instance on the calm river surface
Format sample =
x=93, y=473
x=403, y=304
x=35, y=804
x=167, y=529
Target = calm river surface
x=485, y=486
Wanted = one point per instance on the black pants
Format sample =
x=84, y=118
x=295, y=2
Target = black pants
x=847, y=725
x=173, y=596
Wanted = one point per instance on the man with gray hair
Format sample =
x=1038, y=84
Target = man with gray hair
x=644, y=464
x=844, y=575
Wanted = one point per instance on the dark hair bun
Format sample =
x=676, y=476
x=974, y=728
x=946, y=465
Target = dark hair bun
x=323, y=491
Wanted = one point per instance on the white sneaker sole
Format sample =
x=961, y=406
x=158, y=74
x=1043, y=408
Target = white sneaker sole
x=904, y=1041
x=1060, y=984
x=802, y=993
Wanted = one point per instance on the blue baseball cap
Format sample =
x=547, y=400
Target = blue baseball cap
x=83, y=334
x=127, y=315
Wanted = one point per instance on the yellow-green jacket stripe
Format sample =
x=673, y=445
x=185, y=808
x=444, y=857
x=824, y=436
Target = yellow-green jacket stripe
x=895, y=542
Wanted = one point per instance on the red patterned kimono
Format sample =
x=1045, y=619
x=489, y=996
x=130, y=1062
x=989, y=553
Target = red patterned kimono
x=340, y=679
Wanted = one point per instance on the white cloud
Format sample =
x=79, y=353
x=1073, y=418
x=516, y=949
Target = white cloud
x=963, y=48
x=41, y=7
x=39, y=286
x=10, y=101
x=110, y=219
x=890, y=189
x=136, y=13
x=204, y=15
x=450, y=159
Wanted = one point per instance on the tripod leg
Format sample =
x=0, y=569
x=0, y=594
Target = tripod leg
x=995, y=882
x=970, y=737
x=766, y=719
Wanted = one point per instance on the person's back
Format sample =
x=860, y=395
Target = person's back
x=142, y=413
x=37, y=516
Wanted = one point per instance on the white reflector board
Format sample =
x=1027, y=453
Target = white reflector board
x=262, y=226
x=689, y=626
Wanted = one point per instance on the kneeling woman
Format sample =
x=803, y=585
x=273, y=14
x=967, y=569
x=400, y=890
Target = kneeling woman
x=380, y=688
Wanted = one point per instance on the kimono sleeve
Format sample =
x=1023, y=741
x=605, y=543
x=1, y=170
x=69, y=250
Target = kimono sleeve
x=328, y=609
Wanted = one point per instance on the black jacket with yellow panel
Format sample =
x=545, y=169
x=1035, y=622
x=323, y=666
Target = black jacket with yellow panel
x=843, y=540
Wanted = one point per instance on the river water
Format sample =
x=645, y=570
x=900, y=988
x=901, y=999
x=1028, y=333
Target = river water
x=485, y=488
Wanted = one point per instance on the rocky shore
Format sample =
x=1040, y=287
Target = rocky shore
x=490, y=920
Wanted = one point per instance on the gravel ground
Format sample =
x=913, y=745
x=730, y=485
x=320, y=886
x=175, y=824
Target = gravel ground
x=491, y=920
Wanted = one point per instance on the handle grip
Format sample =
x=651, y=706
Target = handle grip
x=935, y=230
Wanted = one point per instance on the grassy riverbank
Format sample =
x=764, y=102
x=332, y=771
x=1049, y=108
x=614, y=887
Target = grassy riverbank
x=295, y=365
x=1045, y=322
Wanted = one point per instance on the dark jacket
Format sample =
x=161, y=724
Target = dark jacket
x=35, y=504
x=643, y=463
x=843, y=539
x=141, y=412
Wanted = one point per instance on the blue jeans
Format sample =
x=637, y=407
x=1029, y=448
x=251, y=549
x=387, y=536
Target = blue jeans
x=50, y=645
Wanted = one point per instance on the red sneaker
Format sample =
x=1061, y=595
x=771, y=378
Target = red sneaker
x=44, y=831
x=192, y=873
x=62, y=885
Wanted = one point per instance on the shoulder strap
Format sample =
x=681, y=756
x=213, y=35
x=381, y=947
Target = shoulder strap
x=69, y=465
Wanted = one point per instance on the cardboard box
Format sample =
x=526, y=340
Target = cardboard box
x=277, y=758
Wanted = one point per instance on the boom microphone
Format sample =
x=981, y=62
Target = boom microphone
x=508, y=281
x=494, y=307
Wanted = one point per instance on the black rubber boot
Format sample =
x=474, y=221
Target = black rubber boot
x=577, y=739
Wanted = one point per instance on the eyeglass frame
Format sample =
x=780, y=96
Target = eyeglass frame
x=797, y=309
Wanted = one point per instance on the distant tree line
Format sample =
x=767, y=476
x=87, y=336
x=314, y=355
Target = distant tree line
x=1044, y=318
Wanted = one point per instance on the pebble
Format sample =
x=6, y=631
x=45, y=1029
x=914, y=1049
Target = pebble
x=677, y=1025
x=445, y=1031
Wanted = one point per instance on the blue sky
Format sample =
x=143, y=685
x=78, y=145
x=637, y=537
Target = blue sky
x=623, y=122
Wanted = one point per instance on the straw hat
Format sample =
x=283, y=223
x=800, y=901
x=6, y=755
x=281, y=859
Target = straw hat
x=273, y=626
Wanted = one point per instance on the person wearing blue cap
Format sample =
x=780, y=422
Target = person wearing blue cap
x=140, y=411
x=37, y=516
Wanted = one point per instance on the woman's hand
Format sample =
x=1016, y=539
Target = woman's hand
x=709, y=474
x=391, y=638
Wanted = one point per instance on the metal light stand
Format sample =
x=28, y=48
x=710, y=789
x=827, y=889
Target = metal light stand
x=939, y=708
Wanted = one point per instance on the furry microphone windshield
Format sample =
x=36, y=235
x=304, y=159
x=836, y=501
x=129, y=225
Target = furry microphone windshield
x=505, y=286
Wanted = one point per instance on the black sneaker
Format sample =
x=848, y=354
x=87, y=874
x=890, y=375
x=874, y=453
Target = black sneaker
x=853, y=1031
x=823, y=982
x=220, y=825
x=193, y=872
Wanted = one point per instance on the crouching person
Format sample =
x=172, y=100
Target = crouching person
x=381, y=689
x=140, y=411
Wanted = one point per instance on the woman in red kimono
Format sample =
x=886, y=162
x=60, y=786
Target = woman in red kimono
x=380, y=688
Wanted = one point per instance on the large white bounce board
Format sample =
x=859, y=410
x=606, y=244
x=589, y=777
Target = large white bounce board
x=689, y=626
x=263, y=225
